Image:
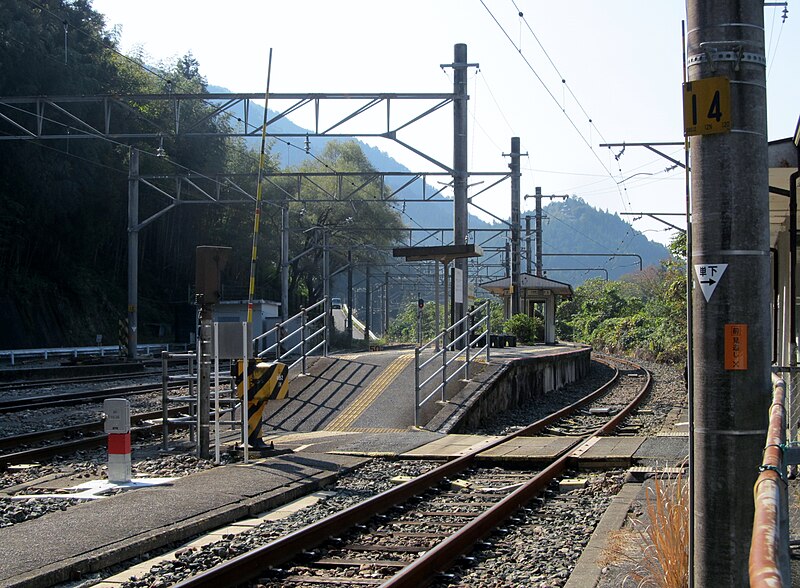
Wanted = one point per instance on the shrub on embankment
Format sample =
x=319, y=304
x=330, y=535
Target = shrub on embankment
x=642, y=315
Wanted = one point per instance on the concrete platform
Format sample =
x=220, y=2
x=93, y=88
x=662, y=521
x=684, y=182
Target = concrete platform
x=96, y=534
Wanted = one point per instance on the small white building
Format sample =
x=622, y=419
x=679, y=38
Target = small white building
x=266, y=314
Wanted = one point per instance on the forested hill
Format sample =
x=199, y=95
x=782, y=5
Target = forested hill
x=572, y=226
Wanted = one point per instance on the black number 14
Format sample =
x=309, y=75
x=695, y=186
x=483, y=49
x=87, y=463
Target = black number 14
x=714, y=110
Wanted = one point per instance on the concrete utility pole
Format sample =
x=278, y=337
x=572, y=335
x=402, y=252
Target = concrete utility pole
x=730, y=235
x=460, y=172
x=528, y=252
x=539, y=217
x=133, y=253
x=516, y=228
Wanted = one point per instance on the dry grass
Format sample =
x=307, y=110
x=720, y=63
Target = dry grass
x=655, y=552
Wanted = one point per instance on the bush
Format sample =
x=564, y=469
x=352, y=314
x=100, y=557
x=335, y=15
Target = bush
x=528, y=329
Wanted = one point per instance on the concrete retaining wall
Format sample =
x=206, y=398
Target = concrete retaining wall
x=514, y=384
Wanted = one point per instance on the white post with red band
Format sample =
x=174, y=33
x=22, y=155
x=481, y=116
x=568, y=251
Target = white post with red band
x=118, y=426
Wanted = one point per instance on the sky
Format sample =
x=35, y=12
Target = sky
x=564, y=77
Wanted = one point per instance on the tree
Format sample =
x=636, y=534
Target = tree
x=351, y=210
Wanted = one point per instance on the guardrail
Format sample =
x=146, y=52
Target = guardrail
x=769, y=547
x=311, y=334
x=46, y=353
x=459, y=345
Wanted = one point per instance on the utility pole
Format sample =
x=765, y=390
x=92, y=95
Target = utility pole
x=515, y=226
x=528, y=256
x=133, y=253
x=539, y=196
x=460, y=171
x=731, y=298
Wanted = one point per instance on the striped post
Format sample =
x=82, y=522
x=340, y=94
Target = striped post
x=117, y=424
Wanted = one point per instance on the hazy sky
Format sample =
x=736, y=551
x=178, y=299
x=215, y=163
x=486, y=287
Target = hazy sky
x=621, y=60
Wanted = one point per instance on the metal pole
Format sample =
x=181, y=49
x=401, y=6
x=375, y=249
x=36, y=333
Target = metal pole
x=204, y=387
x=349, y=327
x=515, y=227
x=216, y=394
x=436, y=298
x=416, y=386
x=133, y=253
x=419, y=322
x=539, y=268
x=303, y=321
x=245, y=394
x=164, y=400
x=730, y=225
x=386, y=304
x=285, y=261
x=326, y=287
x=368, y=304
x=460, y=169
x=528, y=251
x=446, y=303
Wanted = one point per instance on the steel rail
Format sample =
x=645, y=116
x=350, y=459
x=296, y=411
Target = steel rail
x=48, y=451
x=420, y=573
x=423, y=570
x=70, y=398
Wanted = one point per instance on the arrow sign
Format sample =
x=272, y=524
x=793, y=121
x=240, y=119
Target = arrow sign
x=708, y=276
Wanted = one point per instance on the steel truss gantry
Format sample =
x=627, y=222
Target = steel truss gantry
x=105, y=117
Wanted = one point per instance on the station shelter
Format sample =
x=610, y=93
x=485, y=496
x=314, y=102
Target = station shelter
x=538, y=295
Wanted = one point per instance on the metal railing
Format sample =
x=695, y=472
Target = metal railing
x=452, y=347
x=101, y=350
x=769, y=547
x=310, y=335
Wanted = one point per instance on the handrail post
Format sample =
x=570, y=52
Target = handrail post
x=164, y=400
x=416, y=386
x=488, y=331
x=444, y=362
x=278, y=341
x=303, y=337
x=328, y=312
x=469, y=344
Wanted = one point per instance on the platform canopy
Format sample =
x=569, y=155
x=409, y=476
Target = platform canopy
x=535, y=285
x=442, y=253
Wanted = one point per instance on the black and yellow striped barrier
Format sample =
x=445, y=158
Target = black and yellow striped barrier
x=265, y=381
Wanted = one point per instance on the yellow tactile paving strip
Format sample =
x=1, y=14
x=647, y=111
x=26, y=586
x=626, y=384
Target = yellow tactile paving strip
x=348, y=416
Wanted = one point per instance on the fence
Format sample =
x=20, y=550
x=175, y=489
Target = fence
x=459, y=345
x=308, y=330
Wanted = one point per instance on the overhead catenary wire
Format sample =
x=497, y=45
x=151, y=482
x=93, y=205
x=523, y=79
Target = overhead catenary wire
x=552, y=96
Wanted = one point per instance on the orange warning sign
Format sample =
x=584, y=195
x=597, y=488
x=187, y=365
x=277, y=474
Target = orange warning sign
x=735, y=346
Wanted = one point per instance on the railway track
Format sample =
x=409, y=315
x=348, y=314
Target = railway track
x=409, y=534
x=66, y=440
x=72, y=398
